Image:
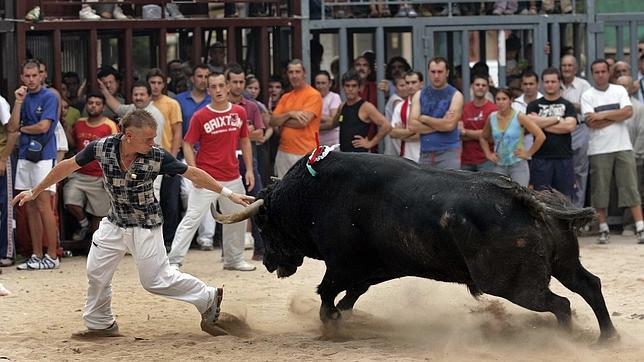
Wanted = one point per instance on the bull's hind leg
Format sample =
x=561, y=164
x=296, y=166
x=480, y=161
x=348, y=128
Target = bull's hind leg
x=545, y=300
x=582, y=282
x=353, y=293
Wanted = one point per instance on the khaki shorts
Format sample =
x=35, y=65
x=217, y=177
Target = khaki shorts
x=601, y=174
x=87, y=192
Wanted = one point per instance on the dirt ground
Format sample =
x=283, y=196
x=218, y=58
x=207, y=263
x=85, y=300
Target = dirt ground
x=271, y=319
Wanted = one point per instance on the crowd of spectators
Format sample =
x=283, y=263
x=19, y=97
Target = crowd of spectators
x=555, y=130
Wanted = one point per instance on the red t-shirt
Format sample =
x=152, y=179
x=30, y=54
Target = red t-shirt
x=84, y=133
x=475, y=118
x=218, y=133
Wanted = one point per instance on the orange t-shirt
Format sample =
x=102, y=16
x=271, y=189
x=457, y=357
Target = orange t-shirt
x=300, y=141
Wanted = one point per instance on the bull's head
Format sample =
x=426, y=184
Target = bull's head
x=278, y=254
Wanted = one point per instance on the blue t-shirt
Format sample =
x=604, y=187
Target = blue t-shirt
x=435, y=103
x=36, y=107
x=189, y=107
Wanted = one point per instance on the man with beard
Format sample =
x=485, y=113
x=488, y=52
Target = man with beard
x=84, y=189
x=475, y=116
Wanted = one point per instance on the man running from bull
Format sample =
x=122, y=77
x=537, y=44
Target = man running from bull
x=130, y=162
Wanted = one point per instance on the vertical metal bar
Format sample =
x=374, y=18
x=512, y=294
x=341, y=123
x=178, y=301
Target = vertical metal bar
x=417, y=47
x=231, y=44
x=197, y=37
x=126, y=50
x=482, y=45
x=619, y=43
x=500, y=46
x=601, y=46
x=163, y=50
x=21, y=44
x=539, y=46
x=306, y=43
x=56, y=68
x=591, y=37
x=380, y=63
x=343, y=52
x=633, y=48
x=93, y=61
x=264, y=60
x=297, y=38
x=577, y=40
x=465, y=64
x=555, y=44
x=430, y=51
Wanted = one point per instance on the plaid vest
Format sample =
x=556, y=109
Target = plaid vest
x=131, y=192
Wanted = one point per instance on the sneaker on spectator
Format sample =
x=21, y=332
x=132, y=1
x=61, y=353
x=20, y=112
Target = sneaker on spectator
x=411, y=13
x=6, y=262
x=249, y=241
x=402, y=13
x=497, y=11
x=173, y=11
x=117, y=13
x=111, y=331
x=603, y=237
x=87, y=13
x=640, y=236
x=81, y=233
x=25, y=266
x=206, y=248
x=175, y=266
x=241, y=266
x=47, y=262
x=33, y=14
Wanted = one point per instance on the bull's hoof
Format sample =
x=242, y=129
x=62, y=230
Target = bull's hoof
x=607, y=338
x=330, y=315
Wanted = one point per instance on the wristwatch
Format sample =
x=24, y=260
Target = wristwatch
x=558, y=119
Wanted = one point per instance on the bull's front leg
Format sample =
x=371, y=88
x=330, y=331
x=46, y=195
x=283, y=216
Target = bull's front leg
x=328, y=289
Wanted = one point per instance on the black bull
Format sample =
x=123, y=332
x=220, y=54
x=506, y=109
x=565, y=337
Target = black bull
x=373, y=218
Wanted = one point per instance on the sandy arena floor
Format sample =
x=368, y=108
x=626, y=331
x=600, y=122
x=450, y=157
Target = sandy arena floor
x=271, y=319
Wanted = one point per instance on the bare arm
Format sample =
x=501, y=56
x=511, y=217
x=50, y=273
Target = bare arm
x=38, y=128
x=59, y=172
x=177, y=138
x=379, y=119
x=485, y=139
x=415, y=125
x=567, y=125
x=247, y=155
x=110, y=100
x=299, y=119
x=14, y=120
x=189, y=153
x=539, y=137
x=202, y=179
x=326, y=122
x=450, y=120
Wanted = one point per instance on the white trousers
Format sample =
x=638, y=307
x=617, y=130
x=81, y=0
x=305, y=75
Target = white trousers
x=109, y=244
x=198, y=208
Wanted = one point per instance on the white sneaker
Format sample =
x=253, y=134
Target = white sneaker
x=117, y=13
x=25, y=266
x=87, y=13
x=241, y=266
x=249, y=241
x=175, y=266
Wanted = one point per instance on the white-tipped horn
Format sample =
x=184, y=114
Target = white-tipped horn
x=247, y=212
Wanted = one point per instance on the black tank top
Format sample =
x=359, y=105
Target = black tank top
x=350, y=126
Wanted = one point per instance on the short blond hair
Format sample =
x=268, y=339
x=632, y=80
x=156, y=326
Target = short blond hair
x=138, y=118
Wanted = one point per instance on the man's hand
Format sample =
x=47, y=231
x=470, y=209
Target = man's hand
x=102, y=87
x=361, y=142
x=596, y=120
x=383, y=85
x=21, y=93
x=23, y=198
x=250, y=179
x=243, y=200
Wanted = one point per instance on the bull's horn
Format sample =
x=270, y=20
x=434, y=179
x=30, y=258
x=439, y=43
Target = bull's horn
x=276, y=179
x=247, y=212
